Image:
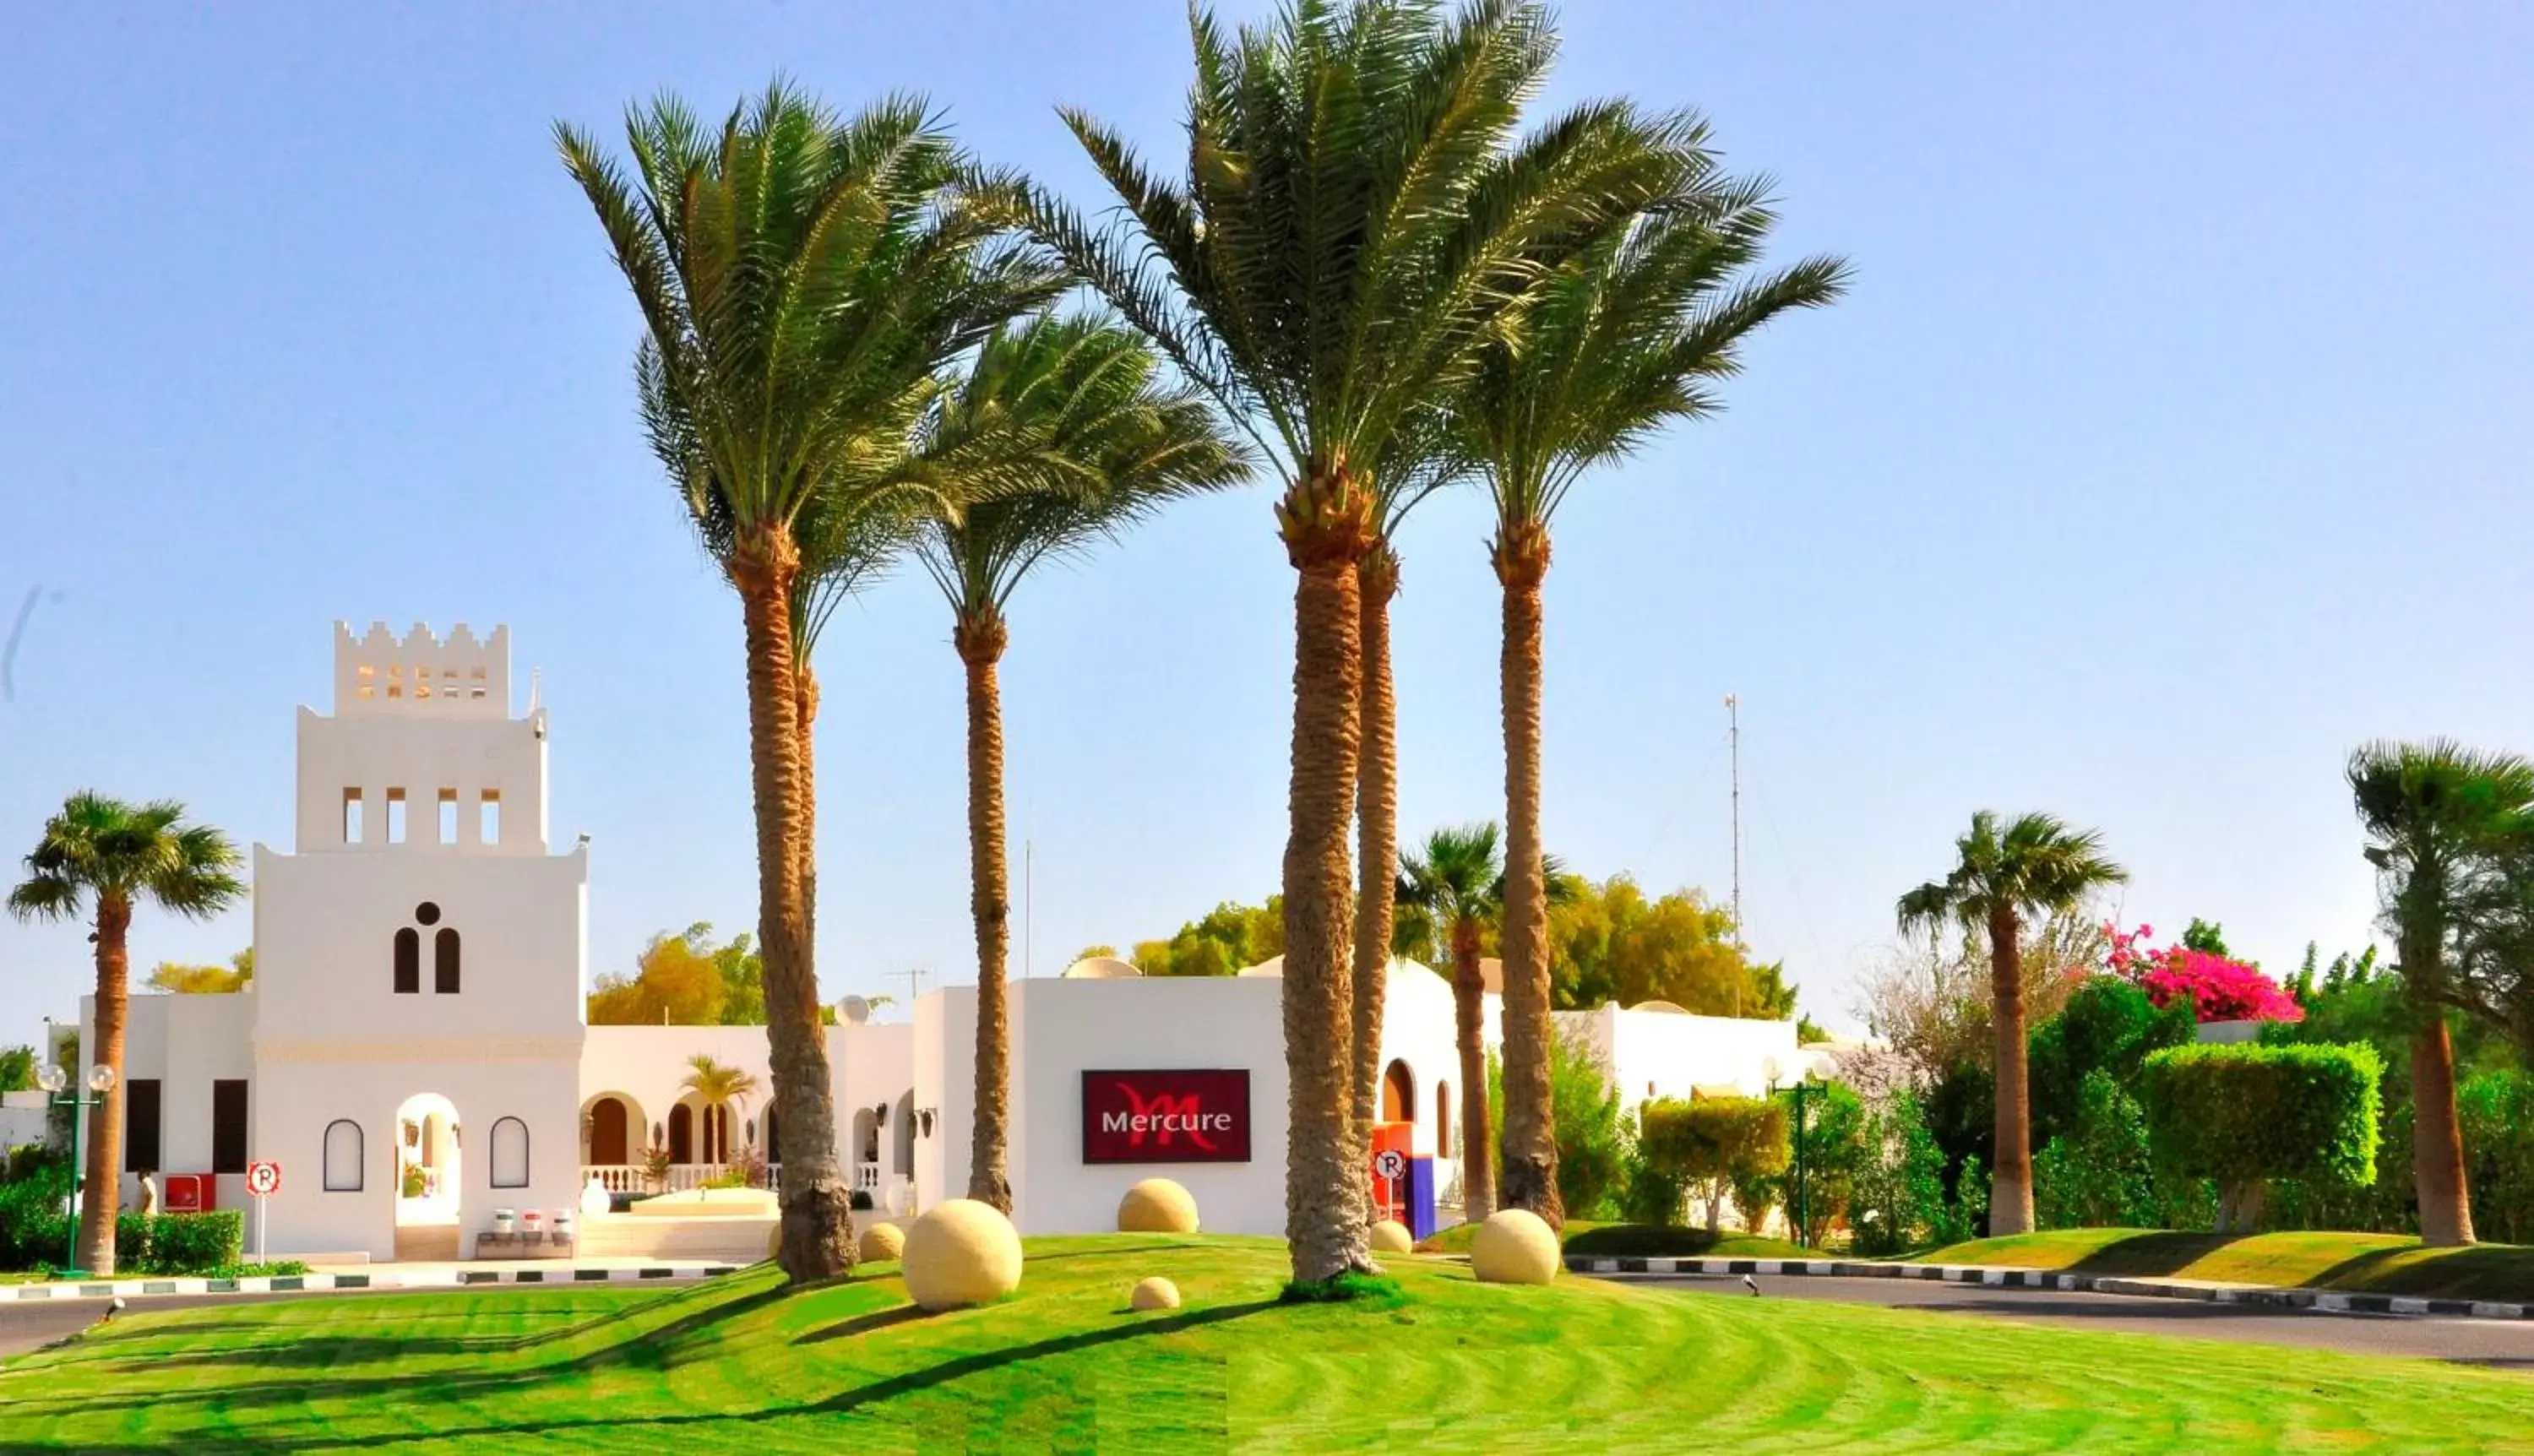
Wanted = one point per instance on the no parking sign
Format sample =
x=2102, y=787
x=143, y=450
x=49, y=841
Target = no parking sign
x=263, y=1179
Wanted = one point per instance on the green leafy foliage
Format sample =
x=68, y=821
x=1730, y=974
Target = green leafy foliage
x=18, y=1068
x=1224, y=942
x=2095, y=1171
x=1596, y=1150
x=1897, y=1197
x=2498, y=1111
x=1706, y=1144
x=2245, y=1114
x=2108, y=1026
x=685, y=979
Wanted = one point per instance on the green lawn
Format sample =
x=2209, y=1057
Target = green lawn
x=2371, y=1264
x=736, y=1365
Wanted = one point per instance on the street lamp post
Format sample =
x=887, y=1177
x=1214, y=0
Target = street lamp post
x=1773, y=1069
x=56, y=1079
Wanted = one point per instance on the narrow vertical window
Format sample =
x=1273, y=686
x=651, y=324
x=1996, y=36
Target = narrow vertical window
x=408, y=961
x=140, y=1122
x=342, y=1156
x=351, y=816
x=395, y=816
x=489, y=818
x=228, y=1126
x=449, y=816
x=444, y=962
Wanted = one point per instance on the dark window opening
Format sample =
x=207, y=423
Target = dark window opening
x=228, y=1126
x=444, y=962
x=408, y=961
x=140, y=1124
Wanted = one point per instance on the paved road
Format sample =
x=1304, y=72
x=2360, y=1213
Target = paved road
x=2499, y=1343
x=32, y=1324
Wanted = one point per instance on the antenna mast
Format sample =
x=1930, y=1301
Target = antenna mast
x=1029, y=900
x=1734, y=735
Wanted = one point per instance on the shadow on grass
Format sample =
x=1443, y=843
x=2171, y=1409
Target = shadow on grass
x=862, y=1324
x=2151, y=1255
x=2482, y=1271
x=457, y=1389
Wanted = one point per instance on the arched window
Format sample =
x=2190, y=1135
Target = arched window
x=510, y=1153
x=1442, y=1120
x=342, y=1156
x=1397, y=1094
x=444, y=962
x=408, y=961
x=681, y=1134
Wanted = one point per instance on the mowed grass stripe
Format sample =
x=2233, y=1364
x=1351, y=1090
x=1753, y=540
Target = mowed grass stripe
x=739, y=1364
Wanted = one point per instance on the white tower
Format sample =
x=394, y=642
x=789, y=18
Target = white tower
x=419, y=960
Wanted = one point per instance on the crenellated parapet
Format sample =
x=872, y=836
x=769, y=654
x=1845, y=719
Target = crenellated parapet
x=419, y=674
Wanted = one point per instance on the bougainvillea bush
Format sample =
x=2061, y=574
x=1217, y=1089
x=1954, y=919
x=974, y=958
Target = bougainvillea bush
x=2217, y=988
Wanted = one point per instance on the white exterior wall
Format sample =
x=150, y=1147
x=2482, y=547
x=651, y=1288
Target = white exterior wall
x=1666, y=1054
x=186, y=1043
x=22, y=1118
x=647, y=1067
x=945, y=1080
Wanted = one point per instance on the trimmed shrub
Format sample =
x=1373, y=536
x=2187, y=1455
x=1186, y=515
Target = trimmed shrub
x=192, y=1242
x=1706, y=1144
x=1898, y=1197
x=2245, y=1114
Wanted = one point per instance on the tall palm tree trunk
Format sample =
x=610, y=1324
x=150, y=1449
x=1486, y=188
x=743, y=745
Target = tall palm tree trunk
x=2437, y=1135
x=1529, y=1165
x=806, y=713
x=1326, y=526
x=980, y=639
x=1376, y=842
x=2010, y=1198
x=818, y=1221
x=1469, y=1008
x=104, y=1172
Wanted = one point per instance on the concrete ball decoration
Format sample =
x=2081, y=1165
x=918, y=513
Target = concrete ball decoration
x=1155, y=1294
x=879, y=1243
x=1514, y=1246
x=961, y=1253
x=1390, y=1236
x=1157, y=1206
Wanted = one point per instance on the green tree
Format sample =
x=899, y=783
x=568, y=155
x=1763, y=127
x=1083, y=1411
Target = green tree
x=184, y=980
x=1709, y=1144
x=676, y=982
x=1627, y=335
x=1227, y=939
x=802, y=277
x=1594, y=1146
x=2432, y=813
x=103, y=858
x=18, y=1068
x=1357, y=214
x=1608, y=942
x=2034, y=866
x=1060, y=435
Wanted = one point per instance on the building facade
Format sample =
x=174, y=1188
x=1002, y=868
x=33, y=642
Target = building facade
x=413, y=1048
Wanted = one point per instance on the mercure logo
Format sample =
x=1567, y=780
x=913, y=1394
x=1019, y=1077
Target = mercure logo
x=1166, y=1116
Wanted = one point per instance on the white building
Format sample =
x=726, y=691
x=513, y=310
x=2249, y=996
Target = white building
x=413, y=1050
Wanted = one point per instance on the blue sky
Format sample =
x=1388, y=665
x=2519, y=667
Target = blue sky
x=2170, y=444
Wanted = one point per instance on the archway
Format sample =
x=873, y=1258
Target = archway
x=681, y=1134
x=903, y=1116
x=866, y=1148
x=612, y=1134
x=430, y=1178
x=1397, y=1094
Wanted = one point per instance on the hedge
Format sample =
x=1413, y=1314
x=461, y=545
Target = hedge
x=2245, y=1114
x=35, y=1234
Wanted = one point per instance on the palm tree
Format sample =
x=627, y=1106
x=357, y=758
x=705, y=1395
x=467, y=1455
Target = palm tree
x=1457, y=887
x=1608, y=348
x=2038, y=867
x=802, y=277
x=716, y=1086
x=2434, y=814
x=1356, y=210
x=104, y=858
x=1060, y=434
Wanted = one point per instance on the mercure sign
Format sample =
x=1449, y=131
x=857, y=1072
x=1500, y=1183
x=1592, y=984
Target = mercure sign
x=1166, y=1116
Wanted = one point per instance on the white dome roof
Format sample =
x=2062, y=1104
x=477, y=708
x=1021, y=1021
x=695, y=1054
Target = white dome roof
x=1101, y=968
x=1273, y=965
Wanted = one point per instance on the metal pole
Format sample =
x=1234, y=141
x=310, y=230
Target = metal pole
x=1029, y=903
x=1802, y=1225
x=1734, y=735
x=79, y=1173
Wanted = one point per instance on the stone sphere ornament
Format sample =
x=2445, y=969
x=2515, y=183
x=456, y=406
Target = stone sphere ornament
x=1155, y=1294
x=1157, y=1206
x=879, y=1243
x=1390, y=1236
x=1515, y=1246
x=960, y=1252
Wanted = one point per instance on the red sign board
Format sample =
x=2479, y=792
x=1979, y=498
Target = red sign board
x=1166, y=1116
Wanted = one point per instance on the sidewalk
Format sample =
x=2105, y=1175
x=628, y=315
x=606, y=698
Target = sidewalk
x=2332, y=1302
x=380, y=1276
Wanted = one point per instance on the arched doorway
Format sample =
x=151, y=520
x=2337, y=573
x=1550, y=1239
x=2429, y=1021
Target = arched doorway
x=612, y=1135
x=1397, y=1094
x=681, y=1134
x=430, y=1179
